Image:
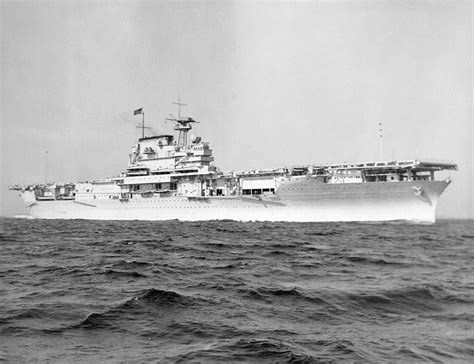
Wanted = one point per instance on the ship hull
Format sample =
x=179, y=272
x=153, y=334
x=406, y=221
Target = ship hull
x=299, y=199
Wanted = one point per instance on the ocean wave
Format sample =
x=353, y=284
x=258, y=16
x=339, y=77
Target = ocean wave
x=323, y=233
x=375, y=261
x=419, y=298
x=277, y=252
x=145, y=241
x=202, y=330
x=29, y=313
x=266, y=349
x=129, y=264
x=231, y=266
x=331, y=350
x=157, y=298
x=45, y=317
x=162, y=298
x=413, y=354
x=286, y=294
x=116, y=317
x=95, y=320
x=64, y=271
x=214, y=244
x=243, y=350
x=228, y=229
x=118, y=273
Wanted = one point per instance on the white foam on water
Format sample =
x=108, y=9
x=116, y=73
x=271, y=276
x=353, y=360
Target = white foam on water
x=21, y=217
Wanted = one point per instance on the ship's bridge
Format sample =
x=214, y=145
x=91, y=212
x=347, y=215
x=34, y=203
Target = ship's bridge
x=161, y=152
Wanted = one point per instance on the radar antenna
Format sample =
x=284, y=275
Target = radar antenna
x=182, y=124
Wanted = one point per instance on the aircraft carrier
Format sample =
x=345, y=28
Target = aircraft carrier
x=168, y=178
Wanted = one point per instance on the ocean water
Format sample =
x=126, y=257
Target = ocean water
x=93, y=291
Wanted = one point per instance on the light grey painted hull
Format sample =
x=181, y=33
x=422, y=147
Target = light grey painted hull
x=297, y=199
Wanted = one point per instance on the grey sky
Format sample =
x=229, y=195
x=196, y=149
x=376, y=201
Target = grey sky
x=272, y=83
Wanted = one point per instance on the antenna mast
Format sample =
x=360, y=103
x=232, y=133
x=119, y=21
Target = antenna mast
x=182, y=124
x=46, y=167
x=381, y=140
x=143, y=127
x=179, y=103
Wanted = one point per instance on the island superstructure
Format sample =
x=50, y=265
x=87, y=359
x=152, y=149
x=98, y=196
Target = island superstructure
x=168, y=178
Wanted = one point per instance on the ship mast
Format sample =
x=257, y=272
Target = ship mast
x=179, y=103
x=182, y=124
x=141, y=112
x=46, y=167
x=381, y=140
